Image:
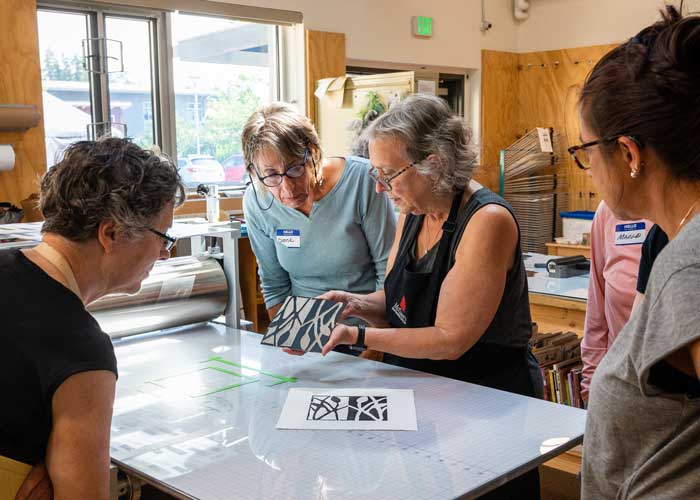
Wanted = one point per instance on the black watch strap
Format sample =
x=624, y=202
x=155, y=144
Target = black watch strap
x=360, y=346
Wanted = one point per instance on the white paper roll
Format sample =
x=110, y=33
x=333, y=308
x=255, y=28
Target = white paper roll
x=7, y=157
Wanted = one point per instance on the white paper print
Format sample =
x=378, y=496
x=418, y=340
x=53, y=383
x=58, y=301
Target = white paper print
x=349, y=409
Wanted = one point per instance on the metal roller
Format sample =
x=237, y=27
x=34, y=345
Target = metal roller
x=178, y=291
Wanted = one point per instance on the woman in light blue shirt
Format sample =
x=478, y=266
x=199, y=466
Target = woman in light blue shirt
x=315, y=224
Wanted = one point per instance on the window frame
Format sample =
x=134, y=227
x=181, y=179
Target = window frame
x=286, y=81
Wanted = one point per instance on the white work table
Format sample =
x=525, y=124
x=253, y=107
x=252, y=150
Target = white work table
x=186, y=422
x=575, y=287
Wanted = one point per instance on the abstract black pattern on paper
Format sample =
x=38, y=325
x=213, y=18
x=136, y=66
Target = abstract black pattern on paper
x=348, y=408
x=303, y=324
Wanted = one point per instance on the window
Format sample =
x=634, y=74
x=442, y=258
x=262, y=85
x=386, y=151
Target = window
x=66, y=89
x=97, y=76
x=113, y=71
x=130, y=76
x=223, y=70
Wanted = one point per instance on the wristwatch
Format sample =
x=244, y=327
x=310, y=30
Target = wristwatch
x=359, y=346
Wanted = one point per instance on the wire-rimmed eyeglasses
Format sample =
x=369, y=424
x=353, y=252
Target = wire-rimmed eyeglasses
x=385, y=182
x=580, y=155
x=292, y=171
x=168, y=241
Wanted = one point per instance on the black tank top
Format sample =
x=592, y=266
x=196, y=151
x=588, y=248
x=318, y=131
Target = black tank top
x=501, y=358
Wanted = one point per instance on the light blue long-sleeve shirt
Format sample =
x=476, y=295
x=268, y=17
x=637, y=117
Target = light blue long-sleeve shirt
x=343, y=244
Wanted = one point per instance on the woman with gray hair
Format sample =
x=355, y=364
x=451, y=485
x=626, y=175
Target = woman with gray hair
x=455, y=300
x=301, y=203
x=107, y=206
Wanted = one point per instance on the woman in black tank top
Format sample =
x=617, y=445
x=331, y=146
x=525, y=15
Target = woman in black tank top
x=455, y=299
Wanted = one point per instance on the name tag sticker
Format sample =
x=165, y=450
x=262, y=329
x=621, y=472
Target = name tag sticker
x=630, y=234
x=291, y=238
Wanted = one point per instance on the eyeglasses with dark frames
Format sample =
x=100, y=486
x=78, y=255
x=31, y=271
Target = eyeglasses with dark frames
x=168, y=241
x=291, y=171
x=580, y=155
x=385, y=182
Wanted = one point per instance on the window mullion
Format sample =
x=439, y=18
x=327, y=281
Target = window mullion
x=166, y=86
x=156, y=68
x=104, y=118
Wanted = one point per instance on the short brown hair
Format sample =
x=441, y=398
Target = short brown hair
x=108, y=179
x=283, y=130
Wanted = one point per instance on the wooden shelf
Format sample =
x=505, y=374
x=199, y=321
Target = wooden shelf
x=555, y=313
x=566, y=250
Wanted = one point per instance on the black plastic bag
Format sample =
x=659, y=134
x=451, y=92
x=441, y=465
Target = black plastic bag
x=9, y=213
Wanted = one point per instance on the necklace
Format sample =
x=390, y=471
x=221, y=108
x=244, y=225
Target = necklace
x=431, y=239
x=687, y=214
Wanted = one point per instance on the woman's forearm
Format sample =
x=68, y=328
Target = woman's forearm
x=373, y=308
x=421, y=343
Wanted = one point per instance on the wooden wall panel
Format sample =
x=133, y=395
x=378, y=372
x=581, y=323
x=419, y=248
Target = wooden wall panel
x=20, y=83
x=325, y=58
x=535, y=89
x=548, y=88
x=499, y=111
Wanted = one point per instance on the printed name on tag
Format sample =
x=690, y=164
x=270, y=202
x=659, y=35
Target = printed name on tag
x=291, y=238
x=630, y=234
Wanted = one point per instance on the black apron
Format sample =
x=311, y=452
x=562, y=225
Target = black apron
x=411, y=302
x=416, y=293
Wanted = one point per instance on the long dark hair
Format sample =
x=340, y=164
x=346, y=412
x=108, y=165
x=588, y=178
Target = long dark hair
x=649, y=87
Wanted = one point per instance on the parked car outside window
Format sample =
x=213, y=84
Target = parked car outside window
x=200, y=169
x=234, y=168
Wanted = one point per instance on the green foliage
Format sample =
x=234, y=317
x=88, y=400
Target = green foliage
x=220, y=130
x=66, y=69
x=186, y=141
x=371, y=110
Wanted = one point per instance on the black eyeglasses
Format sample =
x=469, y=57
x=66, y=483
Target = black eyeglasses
x=168, y=241
x=385, y=182
x=292, y=171
x=580, y=155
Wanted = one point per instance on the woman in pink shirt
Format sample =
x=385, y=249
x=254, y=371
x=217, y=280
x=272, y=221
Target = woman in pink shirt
x=615, y=252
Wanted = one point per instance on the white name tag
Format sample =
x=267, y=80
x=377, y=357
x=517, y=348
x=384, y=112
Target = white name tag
x=291, y=238
x=630, y=234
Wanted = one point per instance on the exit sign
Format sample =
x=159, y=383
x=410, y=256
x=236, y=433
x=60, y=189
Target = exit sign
x=422, y=26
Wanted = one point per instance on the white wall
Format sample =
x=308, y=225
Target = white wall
x=380, y=30
x=557, y=24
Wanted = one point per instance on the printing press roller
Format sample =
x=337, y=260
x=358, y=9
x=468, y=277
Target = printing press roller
x=178, y=291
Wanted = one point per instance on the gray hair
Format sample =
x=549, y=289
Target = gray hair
x=108, y=179
x=280, y=128
x=425, y=125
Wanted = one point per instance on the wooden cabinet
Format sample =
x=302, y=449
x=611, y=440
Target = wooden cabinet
x=253, y=303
